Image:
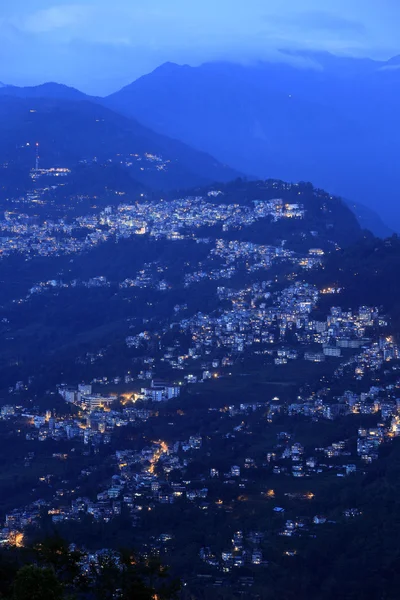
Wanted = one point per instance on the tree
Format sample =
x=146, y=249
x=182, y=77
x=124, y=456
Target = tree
x=8, y=570
x=36, y=583
x=54, y=552
x=133, y=578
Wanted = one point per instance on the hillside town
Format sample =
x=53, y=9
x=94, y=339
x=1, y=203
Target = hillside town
x=240, y=412
x=177, y=219
x=156, y=475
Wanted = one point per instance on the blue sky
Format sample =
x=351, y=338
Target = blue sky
x=101, y=45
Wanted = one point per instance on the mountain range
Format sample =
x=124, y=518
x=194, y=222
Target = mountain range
x=332, y=120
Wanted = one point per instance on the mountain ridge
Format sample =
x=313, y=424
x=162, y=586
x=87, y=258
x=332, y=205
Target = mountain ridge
x=50, y=89
x=276, y=120
x=296, y=139
x=69, y=131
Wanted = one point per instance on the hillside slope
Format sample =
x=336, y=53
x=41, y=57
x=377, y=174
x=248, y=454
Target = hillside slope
x=72, y=131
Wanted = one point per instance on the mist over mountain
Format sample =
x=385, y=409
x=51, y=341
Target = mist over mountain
x=334, y=122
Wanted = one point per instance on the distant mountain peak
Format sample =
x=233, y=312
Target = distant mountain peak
x=393, y=64
x=395, y=60
x=53, y=84
x=167, y=65
x=165, y=70
x=168, y=68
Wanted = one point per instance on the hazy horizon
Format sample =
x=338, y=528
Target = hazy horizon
x=279, y=57
x=99, y=48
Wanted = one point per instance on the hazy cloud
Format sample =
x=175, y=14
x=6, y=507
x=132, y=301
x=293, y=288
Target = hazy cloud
x=318, y=20
x=100, y=44
x=54, y=18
